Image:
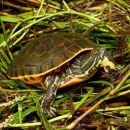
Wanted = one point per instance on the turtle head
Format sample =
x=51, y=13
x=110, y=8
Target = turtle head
x=106, y=62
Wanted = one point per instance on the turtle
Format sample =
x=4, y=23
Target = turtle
x=58, y=60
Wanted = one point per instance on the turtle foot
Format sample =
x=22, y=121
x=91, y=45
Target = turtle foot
x=49, y=112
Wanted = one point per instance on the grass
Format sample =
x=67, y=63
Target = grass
x=100, y=103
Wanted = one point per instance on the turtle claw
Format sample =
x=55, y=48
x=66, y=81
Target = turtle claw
x=49, y=112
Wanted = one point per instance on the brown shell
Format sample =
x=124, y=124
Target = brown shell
x=47, y=53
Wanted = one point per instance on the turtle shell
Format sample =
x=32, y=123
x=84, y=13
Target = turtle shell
x=47, y=53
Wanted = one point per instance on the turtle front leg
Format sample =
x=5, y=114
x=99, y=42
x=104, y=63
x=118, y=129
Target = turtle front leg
x=49, y=97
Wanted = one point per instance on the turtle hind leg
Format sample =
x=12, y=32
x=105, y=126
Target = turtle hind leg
x=49, y=97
